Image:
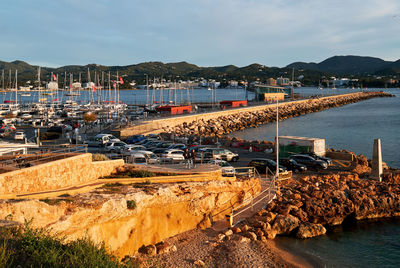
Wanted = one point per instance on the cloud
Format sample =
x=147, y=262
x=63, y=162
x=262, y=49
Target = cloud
x=206, y=32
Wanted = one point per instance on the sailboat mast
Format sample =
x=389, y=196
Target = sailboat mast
x=2, y=79
x=16, y=86
x=39, y=96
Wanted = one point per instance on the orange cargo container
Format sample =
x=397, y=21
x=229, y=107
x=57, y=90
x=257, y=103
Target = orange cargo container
x=233, y=104
x=175, y=109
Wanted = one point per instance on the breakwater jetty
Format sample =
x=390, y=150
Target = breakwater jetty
x=265, y=114
x=219, y=123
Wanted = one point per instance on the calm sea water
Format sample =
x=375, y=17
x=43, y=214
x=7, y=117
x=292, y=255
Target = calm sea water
x=352, y=127
x=140, y=96
x=357, y=244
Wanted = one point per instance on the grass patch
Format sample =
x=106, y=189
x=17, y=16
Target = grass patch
x=55, y=201
x=140, y=174
x=99, y=157
x=131, y=204
x=111, y=185
x=28, y=247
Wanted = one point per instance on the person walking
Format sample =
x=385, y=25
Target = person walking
x=193, y=158
x=186, y=155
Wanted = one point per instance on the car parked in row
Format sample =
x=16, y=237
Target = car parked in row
x=292, y=165
x=131, y=148
x=226, y=168
x=266, y=166
x=217, y=153
x=137, y=158
x=135, y=139
x=172, y=155
x=309, y=161
x=318, y=157
x=115, y=146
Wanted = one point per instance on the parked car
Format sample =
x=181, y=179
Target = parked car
x=151, y=157
x=135, y=139
x=114, y=146
x=137, y=158
x=179, y=146
x=19, y=135
x=227, y=169
x=309, y=161
x=172, y=155
x=159, y=151
x=219, y=153
x=129, y=149
x=318, y=157
x=101, y=140
x=292, y=165
x=264, y=165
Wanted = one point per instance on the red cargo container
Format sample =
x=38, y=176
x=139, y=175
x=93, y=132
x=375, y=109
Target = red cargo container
x=233, y=104
x=175, y=109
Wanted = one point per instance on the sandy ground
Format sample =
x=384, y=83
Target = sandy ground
x=235, y=251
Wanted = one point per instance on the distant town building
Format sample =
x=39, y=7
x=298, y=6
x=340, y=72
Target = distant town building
x=271, y=82
x=233, y=83
x=52, y=85
x=342, y=82
x=282, y=81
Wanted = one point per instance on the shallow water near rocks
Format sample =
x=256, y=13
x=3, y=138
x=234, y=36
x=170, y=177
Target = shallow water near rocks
x=371, y=243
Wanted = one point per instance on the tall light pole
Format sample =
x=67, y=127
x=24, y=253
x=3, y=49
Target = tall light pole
x=147, y=90
x=277, y=138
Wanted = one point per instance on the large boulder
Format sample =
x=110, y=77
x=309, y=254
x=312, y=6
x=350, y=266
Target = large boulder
x=285, y=224
x=307, y=230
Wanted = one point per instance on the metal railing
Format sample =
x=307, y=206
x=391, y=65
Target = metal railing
x=21, y=161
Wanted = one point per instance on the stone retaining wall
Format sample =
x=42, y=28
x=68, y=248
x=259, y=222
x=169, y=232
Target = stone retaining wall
x=56, y=175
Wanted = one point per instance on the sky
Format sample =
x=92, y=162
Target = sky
x=54, y=33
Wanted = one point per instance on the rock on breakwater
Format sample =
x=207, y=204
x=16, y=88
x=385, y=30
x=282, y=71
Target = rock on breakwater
x=307, y=206
x=229, y=123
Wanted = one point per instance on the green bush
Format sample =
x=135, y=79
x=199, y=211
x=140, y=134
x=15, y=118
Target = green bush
x=131, y=204
x=27, y=247
x=99, y=157
x=49, y=135
x=140, y=174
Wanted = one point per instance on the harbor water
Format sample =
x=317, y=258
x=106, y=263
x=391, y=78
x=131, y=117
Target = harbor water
x=352, y=127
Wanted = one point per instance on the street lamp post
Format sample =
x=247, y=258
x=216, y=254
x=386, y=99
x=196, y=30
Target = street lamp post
x=277, y=139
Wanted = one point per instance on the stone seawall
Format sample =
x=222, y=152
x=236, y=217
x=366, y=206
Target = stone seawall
x=247, y=119
x=55, y=175
x=125, y=217
x=226, y=121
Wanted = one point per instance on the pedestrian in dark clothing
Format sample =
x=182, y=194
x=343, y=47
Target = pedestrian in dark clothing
x=193, y=157
x=186, y=155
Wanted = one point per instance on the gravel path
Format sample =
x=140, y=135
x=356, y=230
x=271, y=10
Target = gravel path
x=235, y=251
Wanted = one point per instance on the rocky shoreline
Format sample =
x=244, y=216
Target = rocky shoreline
x=230, y=123
x=308, y=206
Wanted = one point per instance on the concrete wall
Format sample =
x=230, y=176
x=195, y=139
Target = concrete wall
x=156, y=126
x=56, y=175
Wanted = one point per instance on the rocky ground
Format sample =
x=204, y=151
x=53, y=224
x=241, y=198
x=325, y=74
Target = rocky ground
x=209, y=248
